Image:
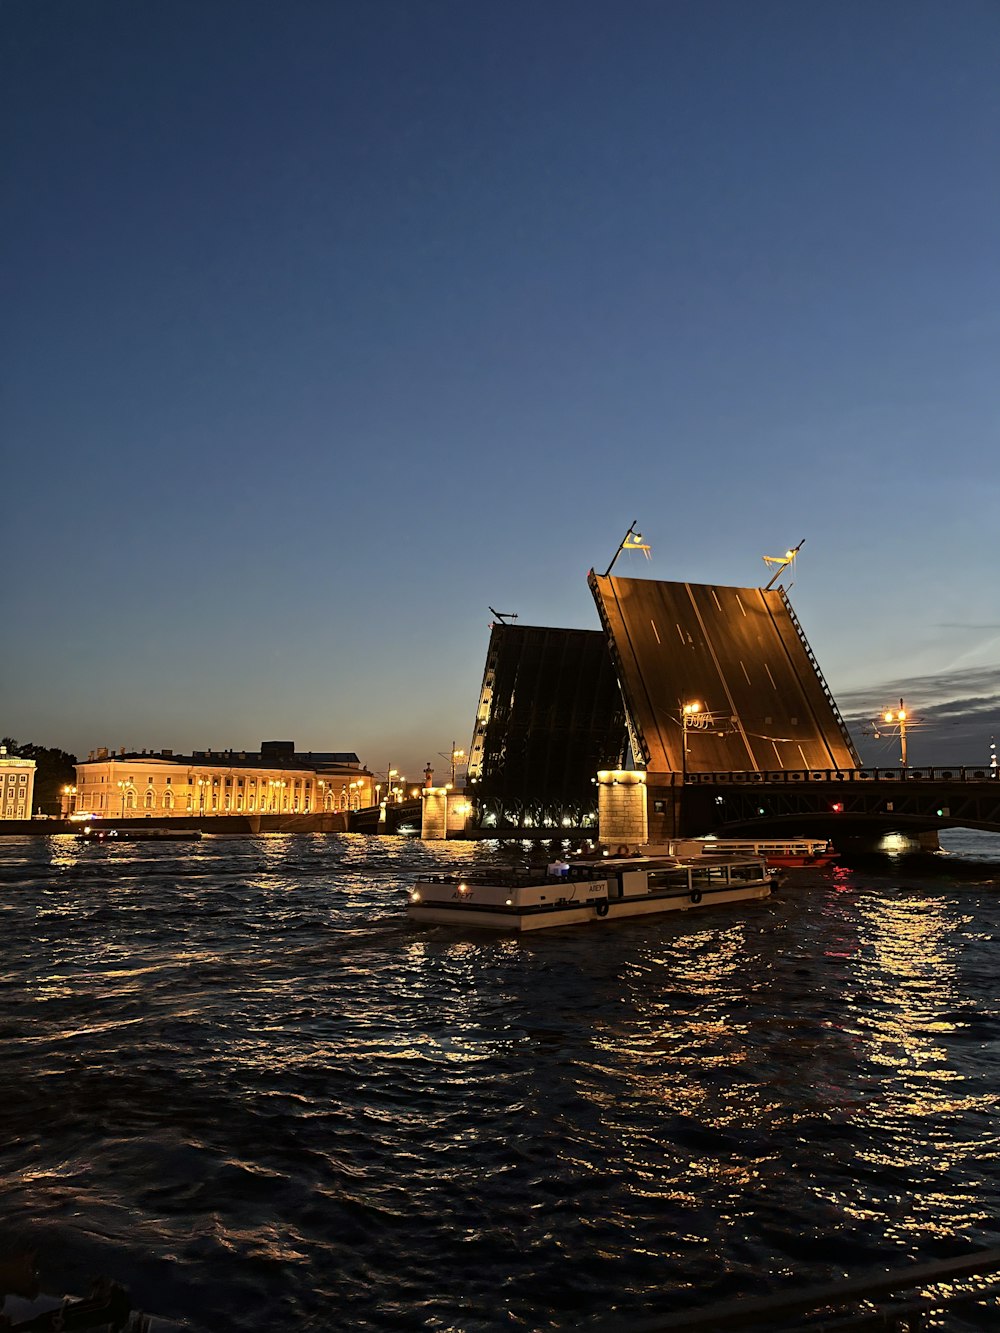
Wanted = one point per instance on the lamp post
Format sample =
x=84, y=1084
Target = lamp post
x=898, y=716
x=689, y=714
x=68, y=801
x=392, y=773
x=456, y=758
x=125, y=785
x=202, y=784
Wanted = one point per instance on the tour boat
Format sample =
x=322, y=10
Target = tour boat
x=586, y=891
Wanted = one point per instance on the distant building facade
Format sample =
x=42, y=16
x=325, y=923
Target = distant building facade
x=273, y=780
x=17, y=784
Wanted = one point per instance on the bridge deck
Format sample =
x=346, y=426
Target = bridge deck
x=736, y=651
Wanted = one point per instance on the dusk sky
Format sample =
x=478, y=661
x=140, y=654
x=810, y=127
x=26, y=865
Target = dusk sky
x=327, y=325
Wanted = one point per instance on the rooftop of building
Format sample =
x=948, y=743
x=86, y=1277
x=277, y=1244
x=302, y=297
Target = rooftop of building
x=14, y=760
x=272, y=754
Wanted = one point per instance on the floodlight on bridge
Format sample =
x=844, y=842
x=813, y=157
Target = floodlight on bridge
x=781, y=562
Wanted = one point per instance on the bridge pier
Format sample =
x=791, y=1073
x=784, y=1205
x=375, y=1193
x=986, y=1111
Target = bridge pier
x=622, y=819
x=444, y=813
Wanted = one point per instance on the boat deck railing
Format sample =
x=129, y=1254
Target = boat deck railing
x=512, y=878
x=902, y=1299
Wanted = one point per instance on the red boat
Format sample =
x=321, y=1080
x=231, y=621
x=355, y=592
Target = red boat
x=785, y=852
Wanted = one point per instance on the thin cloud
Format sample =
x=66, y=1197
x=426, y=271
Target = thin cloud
x=969, y=683
x=952, y=716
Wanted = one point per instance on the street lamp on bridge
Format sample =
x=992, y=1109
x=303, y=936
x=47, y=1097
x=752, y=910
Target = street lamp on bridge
x=455, y=757
x=690, y=717
x=897, y=717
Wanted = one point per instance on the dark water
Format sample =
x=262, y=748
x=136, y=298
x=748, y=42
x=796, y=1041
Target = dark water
x=233, y=1077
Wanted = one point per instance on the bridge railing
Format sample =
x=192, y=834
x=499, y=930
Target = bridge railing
x=789, y=777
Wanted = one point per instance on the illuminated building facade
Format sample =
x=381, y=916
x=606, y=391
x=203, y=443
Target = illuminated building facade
x=276, y=780
x=17, y=783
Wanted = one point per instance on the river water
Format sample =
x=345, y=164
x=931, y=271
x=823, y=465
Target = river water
x=234, y=1078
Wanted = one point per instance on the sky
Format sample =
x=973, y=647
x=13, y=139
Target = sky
x=325, y=327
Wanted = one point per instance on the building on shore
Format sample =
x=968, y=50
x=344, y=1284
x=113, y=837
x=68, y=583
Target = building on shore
x=276, y=779
x=17, y=784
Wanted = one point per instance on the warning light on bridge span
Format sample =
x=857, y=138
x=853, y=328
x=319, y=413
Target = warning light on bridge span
x=837, y=807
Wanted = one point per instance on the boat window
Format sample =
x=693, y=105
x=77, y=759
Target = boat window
x=747, y=872
x=708, y=874
x=659, y=880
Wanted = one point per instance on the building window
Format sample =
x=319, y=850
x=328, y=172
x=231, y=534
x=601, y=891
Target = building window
x=168, y=799
x=149, y=799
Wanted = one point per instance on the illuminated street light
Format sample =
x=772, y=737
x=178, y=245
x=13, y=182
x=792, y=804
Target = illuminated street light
x=897, y=716
x=689, y=717
x=124, y=786
x=68, y=801
x=455, y=758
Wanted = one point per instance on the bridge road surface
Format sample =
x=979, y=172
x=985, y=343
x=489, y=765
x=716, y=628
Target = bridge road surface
x=735, y=651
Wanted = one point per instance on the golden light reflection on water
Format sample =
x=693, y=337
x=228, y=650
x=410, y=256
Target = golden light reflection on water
x=706, y=967
x=906, y=964
x=906, y=969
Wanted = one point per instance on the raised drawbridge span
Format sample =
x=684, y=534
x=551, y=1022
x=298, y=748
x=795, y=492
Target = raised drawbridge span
x=740, y=655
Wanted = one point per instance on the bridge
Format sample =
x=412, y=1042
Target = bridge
x=856, y=803
x=716, y=693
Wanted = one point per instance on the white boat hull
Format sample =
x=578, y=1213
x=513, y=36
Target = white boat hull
x=575, y=903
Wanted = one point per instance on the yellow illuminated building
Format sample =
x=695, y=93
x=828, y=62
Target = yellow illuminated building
x=272, y=781
x=17, y=782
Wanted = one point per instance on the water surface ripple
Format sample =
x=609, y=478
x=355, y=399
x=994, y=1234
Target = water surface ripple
x=238, y=1081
